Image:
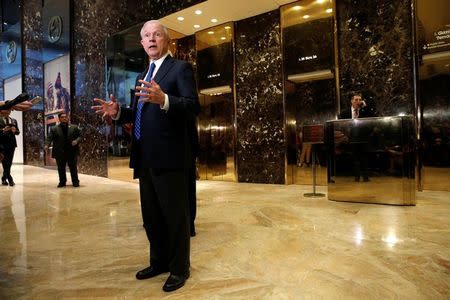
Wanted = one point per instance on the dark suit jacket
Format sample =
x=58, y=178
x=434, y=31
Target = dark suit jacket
x=364, y=112
x=56, y=137
x=8, y=139
x=165, y=139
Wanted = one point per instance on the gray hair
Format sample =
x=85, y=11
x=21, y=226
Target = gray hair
x=166, y=31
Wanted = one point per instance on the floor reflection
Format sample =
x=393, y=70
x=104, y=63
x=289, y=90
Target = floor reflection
x=255, y=241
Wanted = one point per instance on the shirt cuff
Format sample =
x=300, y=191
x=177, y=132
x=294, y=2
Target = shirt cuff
x=118, y=114
x=166, y=103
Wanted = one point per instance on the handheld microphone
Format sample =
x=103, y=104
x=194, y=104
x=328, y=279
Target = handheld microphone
x=10, y=103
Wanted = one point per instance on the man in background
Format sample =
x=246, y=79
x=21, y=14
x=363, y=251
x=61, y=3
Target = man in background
x=8, y=131
x=65, y=139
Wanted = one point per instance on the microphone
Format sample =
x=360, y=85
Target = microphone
x=10, y=103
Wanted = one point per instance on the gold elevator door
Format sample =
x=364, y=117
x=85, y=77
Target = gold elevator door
x=217, y=137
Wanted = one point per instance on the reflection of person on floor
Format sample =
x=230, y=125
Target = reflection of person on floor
x=8, y=144
x=65, y=139
x=359, y=136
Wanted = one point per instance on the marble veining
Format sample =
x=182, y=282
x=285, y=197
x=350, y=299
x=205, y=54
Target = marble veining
x=376, y=54
x=33, y=131
x=253, y=242
x=186, y=50
x=259, y=98
x=89, y=65
x=92, y=22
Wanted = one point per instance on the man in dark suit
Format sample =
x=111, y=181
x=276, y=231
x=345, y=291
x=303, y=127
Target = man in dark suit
x=359, y=134
x=65, y=139
x=358, y=108
x=160, y=153
x=8, y=144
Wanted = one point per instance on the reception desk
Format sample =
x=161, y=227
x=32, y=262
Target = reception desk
x=372, y=160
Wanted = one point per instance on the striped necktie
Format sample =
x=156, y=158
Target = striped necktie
x=137, y=123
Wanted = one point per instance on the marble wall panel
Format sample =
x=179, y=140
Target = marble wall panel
x=33, y=130
x=186, y=50
x=259, y=98
x=376, y=54
x=93, y=21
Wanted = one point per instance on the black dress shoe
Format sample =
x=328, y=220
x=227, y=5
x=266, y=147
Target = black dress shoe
x=61, y=185
x=174, y=282
x=366, y=179
x=4, y=182
x=150, y=272
x=11, y=182
x=76, y=184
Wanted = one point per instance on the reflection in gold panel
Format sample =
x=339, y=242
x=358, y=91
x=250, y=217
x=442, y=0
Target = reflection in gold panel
x=215, y=75
x=305, y=11
x=372, y=160
x=309, y=83
x=216, y=137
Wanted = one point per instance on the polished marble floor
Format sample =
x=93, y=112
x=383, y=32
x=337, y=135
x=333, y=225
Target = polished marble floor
x=254, y=241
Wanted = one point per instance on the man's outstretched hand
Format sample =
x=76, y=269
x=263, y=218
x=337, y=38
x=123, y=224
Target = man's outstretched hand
x=106, y=108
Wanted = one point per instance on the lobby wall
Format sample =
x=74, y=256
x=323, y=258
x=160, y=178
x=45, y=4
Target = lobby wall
x=259, y=96
x=375, y=56
x=92, y=22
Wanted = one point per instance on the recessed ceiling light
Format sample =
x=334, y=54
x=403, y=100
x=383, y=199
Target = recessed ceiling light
x=214, y=20
x=223, y=38
x=196, y=26
x=320, y=1
x=306, y=17
x=210, y=32
x=297, y=7
x=330, y=10
x=227, y=27
x=198, y=12
x=180, y=18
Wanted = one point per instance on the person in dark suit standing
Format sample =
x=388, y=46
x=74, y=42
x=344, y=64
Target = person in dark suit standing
x=8, y=144
x=65, y=139
x=359, y=134
x=161, y=155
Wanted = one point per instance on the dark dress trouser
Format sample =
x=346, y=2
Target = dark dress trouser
x=7, y=162
x=165, y=212
x=71, y=161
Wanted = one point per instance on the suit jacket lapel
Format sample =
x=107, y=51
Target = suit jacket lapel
x=165, y=67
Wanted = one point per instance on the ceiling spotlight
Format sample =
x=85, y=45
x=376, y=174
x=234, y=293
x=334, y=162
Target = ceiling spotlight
x=196, y=26
x=210, y=32
x=227, y=27
x=223, y=38
x=180, y=18
x=214, y=20
x=297, y=7
x=330, y=10
x=306, y=17
x=198, y=12
x=320, y=1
